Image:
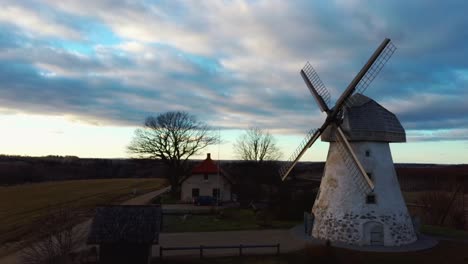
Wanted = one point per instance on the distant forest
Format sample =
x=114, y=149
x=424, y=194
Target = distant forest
x=19, y=169
x=22, y=169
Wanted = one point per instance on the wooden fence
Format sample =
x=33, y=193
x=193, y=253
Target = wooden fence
x=202, y=248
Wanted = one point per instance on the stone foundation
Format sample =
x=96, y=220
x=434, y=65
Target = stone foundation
x=350, y=227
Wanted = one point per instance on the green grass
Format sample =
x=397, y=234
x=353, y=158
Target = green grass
x=232, y=219
x=21, y=206
x=168, y=199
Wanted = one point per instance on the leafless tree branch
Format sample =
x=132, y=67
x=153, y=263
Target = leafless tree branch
x=172, y=137
x=257, y=145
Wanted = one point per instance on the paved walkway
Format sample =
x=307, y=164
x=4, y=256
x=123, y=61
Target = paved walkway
x=190, y=208
x=146, y=198
x=290, y=240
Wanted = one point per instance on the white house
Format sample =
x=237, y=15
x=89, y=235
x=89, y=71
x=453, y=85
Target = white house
x=206, y=179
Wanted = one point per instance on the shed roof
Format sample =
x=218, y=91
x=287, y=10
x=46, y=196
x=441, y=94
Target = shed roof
x=137, y=224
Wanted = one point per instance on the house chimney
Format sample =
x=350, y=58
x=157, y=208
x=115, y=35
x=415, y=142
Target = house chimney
x=208, y=156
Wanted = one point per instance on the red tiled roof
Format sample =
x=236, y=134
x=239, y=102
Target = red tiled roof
x=208, y=166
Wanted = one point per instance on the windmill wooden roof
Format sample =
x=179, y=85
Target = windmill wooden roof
x=137, y=224
x=366, y=120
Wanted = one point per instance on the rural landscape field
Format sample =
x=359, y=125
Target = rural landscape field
x=21, y=219
x=23, y=206
x=236, y=131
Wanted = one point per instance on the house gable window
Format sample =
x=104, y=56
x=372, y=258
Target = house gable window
x=205, y=177
x=195, y=192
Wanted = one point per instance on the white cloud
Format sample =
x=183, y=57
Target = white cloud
x=35, y=23
x=258, y=48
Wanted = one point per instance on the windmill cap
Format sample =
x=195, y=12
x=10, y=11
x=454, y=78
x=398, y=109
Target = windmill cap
x=366, y=120
x=358, y=99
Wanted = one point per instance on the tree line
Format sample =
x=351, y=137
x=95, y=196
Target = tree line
x=173, y=137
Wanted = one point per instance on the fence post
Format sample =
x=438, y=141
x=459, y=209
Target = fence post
x=278, y=249
x=240, y=250
x=201, y=251
x=160, y=252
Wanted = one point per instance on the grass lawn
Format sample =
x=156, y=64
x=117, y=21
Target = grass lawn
x=442, y=231
x=22, y=205
x=445, y=252
x=232, y=219
x=168, y=199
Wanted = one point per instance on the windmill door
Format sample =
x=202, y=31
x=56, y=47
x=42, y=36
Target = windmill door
x=377, y=235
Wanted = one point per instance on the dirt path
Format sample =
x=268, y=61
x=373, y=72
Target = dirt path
x=83, y=228
x=146, y=198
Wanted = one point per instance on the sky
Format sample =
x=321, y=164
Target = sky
x=78, y=77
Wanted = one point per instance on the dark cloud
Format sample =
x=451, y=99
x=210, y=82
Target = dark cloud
x=235, y=65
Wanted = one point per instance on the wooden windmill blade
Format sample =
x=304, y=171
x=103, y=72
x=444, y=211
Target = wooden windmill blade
x=373, y=71
x=308, y=141
x=352, y=155
x=368, y=72
x=316, y=87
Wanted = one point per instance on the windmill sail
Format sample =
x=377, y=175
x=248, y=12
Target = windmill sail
x=352, y=86
x=307, y=142
x=316, y=86
x=373, y=71
x=352, y=162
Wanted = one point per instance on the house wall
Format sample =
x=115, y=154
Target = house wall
x=206, y=186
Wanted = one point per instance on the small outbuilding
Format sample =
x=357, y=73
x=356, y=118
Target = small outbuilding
x=125, y=233
x=206, y=179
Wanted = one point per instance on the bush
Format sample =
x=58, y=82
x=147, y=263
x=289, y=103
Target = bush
x=57, y=239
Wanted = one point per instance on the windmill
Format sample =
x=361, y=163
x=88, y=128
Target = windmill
x=359, y=201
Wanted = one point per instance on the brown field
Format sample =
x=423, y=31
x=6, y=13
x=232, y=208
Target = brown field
x=21, y=206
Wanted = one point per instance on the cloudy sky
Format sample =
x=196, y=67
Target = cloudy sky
x=77, y=77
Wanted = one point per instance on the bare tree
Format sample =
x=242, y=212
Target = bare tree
x=257, y=145
x=172, y=137
x=57, y=239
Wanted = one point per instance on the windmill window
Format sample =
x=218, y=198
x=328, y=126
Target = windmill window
x=367, y=153
x=369, y=174
x=370, y=199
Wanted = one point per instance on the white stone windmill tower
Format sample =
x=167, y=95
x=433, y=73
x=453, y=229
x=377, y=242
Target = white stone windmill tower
x=359, y=200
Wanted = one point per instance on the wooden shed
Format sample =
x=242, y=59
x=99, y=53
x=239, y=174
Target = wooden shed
x=125, y=233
